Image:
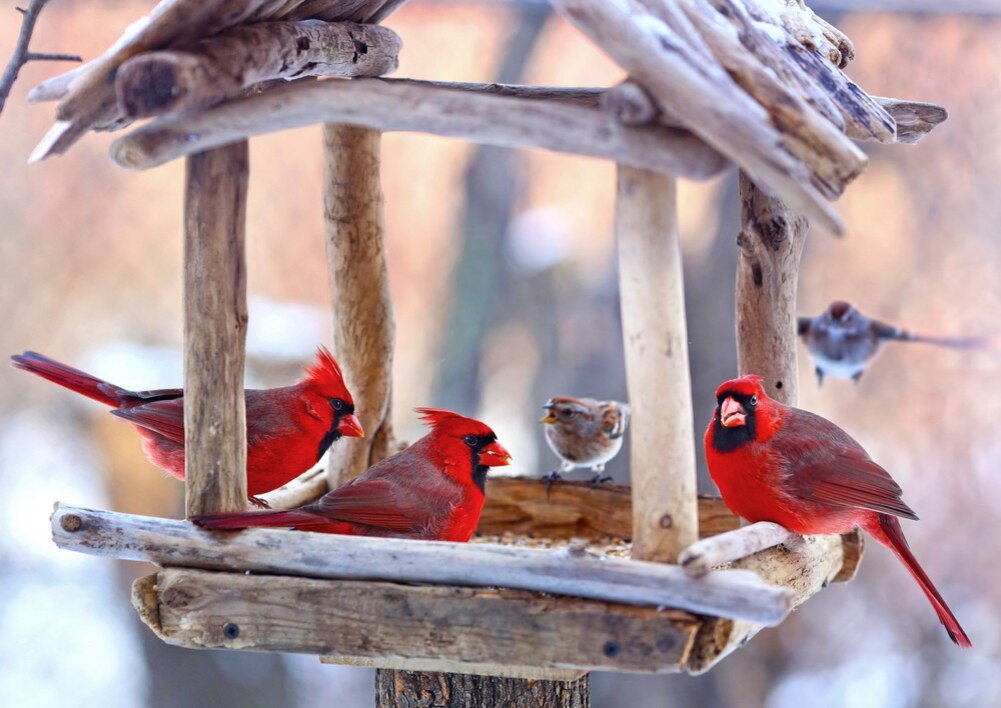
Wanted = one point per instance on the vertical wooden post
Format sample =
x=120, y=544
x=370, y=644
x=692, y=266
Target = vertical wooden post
x=394, y=689
x=215, y=330
x=359, y=287
x=665, y=509
x=771, y=243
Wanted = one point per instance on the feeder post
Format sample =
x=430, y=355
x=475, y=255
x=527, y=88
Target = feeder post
x=662, y=447
x=419, y=688
x=215, y=330
x=359, y=289
x=770, y=244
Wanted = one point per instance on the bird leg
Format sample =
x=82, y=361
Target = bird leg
x=820, y=376
x=556, y=475
x=259, y=503
x=857, y=377
x=599, y=476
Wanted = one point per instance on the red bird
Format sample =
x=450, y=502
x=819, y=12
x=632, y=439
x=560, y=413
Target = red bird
x=775, y=463
x=288, y=429
x=433, y=490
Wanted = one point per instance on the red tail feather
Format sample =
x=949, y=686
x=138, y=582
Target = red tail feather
x=68, y=377
x=253, y=519
x=891, y=535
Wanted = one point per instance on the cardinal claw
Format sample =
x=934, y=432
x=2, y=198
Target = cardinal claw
x=259, y=503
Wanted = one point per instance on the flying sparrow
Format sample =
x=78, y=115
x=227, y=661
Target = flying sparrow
x=842, y=341
x=584, y=432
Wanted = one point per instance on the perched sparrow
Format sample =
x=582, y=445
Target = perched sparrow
x=288, y=429
x=584, y=432
x=433, y=490
x=842, y=341
x=776, y=463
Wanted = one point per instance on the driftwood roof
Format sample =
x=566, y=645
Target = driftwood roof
x=755, y=82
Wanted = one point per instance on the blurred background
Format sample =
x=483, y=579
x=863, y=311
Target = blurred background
x=90, y=273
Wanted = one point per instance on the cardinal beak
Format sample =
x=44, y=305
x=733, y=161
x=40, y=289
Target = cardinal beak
x=494, y=455
x=731, y=413
x=350, y=427
x=548, y=417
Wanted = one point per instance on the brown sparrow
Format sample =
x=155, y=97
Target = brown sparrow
x=842, y=341
x=584, y=432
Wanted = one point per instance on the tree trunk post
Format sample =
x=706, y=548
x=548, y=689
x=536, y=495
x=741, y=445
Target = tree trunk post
x=359, y=288
x=215, y=330
x=415, y=689
x=662, y=447
x=770, y=244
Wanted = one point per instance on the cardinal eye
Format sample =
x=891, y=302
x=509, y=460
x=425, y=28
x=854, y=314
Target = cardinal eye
x=470, y=440
x=337, y=403
x=753, y=401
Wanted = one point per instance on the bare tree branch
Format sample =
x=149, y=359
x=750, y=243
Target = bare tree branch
x=21, y=54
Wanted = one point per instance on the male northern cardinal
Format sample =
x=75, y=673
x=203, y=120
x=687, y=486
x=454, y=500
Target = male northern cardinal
x=842, y=341
x=776, y=463
x=433, y=490
x=288, y=429
x=584, y=432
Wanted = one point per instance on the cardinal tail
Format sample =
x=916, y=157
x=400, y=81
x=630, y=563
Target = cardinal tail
x=253, y=519
x=889, y=533
x=68, y=377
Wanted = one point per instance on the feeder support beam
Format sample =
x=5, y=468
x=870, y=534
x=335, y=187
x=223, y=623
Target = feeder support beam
x=215, y=330
x=359, y=290
x=665, y=510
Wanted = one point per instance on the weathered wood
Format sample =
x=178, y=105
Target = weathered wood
x=405, y=688
x=530, y=673
x=306, y=488
x=708, y=553
x=370, y=620
x=657, y=46
x=662, y=448
x=770, y=244
x=390, y=105
x=573, y=571
x=215, y=330
x=359, y=289
x=209, y=71
x=805, y=569
x=521, y=505
x=914, y=119
x=853, y=548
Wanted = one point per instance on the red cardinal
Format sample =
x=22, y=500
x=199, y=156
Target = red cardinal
x=776, y=463
x=433, y=490
x=288, y=429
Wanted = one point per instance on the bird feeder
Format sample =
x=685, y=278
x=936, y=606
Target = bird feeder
x=712, y=84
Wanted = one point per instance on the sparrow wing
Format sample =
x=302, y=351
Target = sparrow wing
x=823, y=463
x=614, y=419
x=164, y=417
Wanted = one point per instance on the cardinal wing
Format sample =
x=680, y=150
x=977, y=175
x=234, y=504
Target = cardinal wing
x=376, y=501
x=164, y=417
x=825, y=464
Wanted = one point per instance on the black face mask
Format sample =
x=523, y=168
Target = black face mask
x=729, y=439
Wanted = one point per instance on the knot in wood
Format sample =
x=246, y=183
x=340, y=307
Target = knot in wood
x=666, y=521
x=231, y=631
x=610, y=649
x=71, y=523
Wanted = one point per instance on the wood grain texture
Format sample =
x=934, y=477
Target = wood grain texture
x=530, y=673
x=215, y=330
x=209, y=71
x=708, y=553
x=573, y=571
x=359, y=289
x=655, y=339
x=395, y=689
x=520, y=505
x=805, y=569
x=770, y=244
x=392, y=105
x=492, y=627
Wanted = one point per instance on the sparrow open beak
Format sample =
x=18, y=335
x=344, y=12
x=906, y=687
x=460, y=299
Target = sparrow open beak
x=548, y=417
x=731, y=413
x=350, y=427
x=494, y=455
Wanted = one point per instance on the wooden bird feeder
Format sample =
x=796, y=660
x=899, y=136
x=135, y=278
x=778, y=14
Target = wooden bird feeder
x=551, y=591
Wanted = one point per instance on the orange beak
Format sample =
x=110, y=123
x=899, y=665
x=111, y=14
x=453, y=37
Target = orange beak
x=350, y=427
x=731, y=413
x=494, y=455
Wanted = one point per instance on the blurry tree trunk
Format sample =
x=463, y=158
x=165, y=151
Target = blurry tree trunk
x=413, y=688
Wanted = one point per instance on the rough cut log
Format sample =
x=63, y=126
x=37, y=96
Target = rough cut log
x=521, y=505
x=708, y=553
x=406, y=688
x=573, y=571
x=58, y=86
x=818, y=560
x=465, y=627
x=914, y=119
x=662, y=448
x=359, y=289
x=215, y=330
x=676, y=73
x=211, y=70
x=770, y=244
x=388, y=105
